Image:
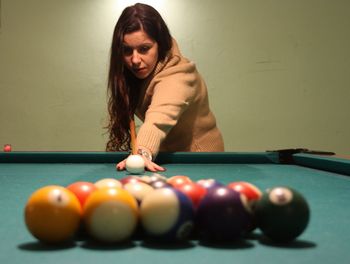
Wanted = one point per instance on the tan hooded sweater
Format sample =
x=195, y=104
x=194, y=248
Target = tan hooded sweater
x=175, y=111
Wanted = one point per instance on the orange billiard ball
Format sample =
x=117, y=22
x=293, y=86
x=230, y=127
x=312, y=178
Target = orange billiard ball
x=178, y=180
x=82, y=190
x=53, y=214
x=111, y=215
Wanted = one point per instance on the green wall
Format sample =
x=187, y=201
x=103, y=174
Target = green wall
x=278, y=71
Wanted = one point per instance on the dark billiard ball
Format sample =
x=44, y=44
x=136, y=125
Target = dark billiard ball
x=167, y=215
x=222, y=215
x=251, y=193
x=282, y=214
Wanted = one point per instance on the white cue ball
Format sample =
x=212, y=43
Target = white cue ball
x=135, y=164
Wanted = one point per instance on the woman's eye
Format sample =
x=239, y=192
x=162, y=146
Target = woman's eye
x=144, y=49
x=127, y=51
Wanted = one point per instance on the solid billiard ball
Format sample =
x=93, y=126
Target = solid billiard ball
x=167, y=215
x=53, y=214
x=138, y=189
x=110, y=215
x=178, y=180
x=282, y=214
x=135, y=164
x=194, y=191
x=108, y=183
x=82, y=190
x=221, y=215
x=251, y=192
x=7, y=148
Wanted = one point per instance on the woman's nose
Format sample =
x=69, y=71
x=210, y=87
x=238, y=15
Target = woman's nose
x=136, y=59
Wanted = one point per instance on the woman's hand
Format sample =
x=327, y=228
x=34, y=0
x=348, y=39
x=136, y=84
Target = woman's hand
x=149, y=165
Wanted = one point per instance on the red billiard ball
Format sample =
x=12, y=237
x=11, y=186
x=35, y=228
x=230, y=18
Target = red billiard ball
x=194, y=191
x=282, y=214
x=7, y=148
x=82, y=190
x=251, y=192
x=221, y=216
x=178, y=180
x=53, y=214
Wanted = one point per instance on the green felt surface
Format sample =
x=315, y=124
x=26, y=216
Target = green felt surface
x=324, y=241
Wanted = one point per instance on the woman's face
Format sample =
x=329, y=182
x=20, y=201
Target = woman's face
x=140, y=53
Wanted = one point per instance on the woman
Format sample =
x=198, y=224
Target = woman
x=149, y=77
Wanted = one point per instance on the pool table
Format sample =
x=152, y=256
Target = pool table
x=323, y=180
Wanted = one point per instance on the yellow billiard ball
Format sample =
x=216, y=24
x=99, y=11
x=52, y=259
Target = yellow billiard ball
x=53, y=214
x=111, y=215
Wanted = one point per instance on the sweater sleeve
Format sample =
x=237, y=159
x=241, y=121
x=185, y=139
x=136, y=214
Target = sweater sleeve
x=173, y=91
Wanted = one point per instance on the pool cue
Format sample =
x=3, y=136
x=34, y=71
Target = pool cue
x=133, y=137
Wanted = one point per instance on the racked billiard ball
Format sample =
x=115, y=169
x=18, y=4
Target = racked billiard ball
x=53, y=214
x=282, y=214
x=194, y=191
x=158, y=184
x=222, y=215
x=110, y=215
x=138, y=189
x=178, y=180
x=251, y=192
x=82, y=190
x=209, y=183
x=167, y=215
x=108, y=183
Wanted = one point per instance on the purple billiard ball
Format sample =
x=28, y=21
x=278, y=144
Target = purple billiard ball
x=222, y=215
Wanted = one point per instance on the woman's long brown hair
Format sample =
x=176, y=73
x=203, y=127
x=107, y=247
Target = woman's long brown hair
x=123, y=92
